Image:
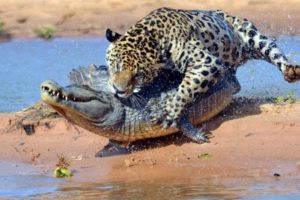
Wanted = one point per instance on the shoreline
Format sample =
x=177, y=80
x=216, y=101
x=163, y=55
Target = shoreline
x=255, y=143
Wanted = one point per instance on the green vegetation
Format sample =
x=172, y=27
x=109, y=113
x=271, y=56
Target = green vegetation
x=62, y=168
x=289, y=98
x=1, y=27
x=205, y=156
x=61, y=172
x=46, y=32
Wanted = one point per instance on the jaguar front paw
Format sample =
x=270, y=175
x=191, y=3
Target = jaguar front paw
x=167, y=123
x=170, y=117
x=166, y=112
x=156, y=117
x=161, y=117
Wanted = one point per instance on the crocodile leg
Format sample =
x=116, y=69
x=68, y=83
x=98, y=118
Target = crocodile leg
x=193, y=133
x=113, y=148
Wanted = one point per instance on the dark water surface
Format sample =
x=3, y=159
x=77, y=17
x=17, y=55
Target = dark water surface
x=24, y=64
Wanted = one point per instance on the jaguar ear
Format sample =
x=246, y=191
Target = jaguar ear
x=112, y=36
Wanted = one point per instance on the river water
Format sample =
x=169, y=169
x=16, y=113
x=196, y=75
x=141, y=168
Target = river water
x=42, y=187
x=24, y=64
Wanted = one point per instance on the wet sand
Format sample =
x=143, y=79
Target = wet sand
x=91, y=18
x=251, y=142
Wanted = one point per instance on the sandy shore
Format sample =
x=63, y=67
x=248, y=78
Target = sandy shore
x=91, y=18
x=250, y=142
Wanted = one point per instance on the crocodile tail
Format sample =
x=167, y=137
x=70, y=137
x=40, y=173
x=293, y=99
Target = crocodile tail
x=94, y=77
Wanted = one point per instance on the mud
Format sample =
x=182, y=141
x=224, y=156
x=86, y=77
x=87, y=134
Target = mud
x=91, y=18
x=251, y=140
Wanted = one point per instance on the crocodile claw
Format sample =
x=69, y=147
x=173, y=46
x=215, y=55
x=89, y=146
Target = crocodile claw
x=195, y=134
x=199, y=135
x=112, y=149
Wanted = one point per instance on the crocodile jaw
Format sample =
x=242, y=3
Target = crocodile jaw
x=79, y=104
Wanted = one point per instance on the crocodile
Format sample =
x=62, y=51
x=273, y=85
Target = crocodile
x=89, y=104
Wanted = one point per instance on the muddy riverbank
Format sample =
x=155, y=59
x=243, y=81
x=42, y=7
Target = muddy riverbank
x=250, y=141
x=90, y=18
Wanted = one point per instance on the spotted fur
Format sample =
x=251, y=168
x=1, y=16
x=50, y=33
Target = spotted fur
x=200, y=44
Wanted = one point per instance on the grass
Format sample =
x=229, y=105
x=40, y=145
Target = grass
x=46, y=32
x=1, y=27
x=4, y=35
x=289, y=98
x=204, y=156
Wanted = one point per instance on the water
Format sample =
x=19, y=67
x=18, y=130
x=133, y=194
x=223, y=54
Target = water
x=26, y=63
x=26, y=186
x=261, y=79
x=42, y=187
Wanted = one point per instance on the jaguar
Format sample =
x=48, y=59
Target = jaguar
x=201, y=45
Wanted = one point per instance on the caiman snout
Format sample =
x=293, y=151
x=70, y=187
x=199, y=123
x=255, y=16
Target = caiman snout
x=52, y=89
x=75, y=93
x=77, y=103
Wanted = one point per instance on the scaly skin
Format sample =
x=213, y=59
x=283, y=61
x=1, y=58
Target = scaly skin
x=104, y=114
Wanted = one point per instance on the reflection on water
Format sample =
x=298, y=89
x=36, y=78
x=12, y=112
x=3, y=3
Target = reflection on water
x=142, y=190
x=26, y=186
x=41, y=187
x=26, y=63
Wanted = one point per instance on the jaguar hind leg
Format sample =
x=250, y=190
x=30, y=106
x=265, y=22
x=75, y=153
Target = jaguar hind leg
x=267, y=49
x=259, y=46
x=292, y=73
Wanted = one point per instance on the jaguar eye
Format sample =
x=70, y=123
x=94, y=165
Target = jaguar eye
x=118, y=67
